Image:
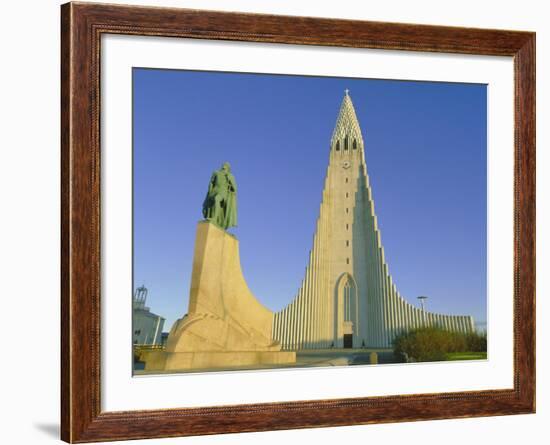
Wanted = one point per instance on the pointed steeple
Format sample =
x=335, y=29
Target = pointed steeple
x=347, y=124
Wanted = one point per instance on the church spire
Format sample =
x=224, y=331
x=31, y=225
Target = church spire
x=347, y=124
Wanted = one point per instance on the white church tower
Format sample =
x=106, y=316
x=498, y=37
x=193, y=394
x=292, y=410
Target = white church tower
x=348, y=297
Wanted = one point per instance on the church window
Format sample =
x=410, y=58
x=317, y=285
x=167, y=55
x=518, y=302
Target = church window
x=347, y=243
x=354, y=144
x=347, y=302
x=347, y=226
x=346, y=180
x=346, y=143
x=347, y=210
x=347, y=260
x=337, y=145
x=347, y=195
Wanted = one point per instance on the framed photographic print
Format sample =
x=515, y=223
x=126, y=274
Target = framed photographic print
x=224, y=265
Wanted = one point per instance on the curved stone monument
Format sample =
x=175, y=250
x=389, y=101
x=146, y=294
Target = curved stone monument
x=226, y=326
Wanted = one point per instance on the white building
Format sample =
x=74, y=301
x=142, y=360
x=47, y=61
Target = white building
x=348, y=297
x=146, y=326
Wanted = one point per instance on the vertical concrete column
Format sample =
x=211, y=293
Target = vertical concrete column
x=322, y=293
x=322, y=289
x=284, y=330
x=305, y=299
x=373, y=294
x=454, y=323
x=296, y=318
x=387, y=298
x=381, y=296
x=386, y=301
x=394, y=312
x=300, y=303
x=326, y=292
x=309, y=296
x=391, y=310
x=316, y=301
x=312, y=320
x=382, y=302
x=306, y=334
x=326, y=280
x=300, y=326
x=289, y=325
x=319, y=284
x=378, y=294
x=465, y=324
x=281, y=335
x=274, y=328
x=399, y=312
x=277, y=319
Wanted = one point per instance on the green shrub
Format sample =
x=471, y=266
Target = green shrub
x=476, y=342
x=432, y=344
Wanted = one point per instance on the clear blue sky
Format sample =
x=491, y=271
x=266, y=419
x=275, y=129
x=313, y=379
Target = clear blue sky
x=425, y=147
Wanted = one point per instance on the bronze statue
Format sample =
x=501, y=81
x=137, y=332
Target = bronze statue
x=220, y=204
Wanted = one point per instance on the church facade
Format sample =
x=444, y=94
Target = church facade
x=347, y=298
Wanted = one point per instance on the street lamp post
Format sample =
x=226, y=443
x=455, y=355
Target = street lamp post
x=423, y=299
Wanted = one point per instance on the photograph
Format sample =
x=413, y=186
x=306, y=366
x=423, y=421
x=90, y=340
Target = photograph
x=257, y=243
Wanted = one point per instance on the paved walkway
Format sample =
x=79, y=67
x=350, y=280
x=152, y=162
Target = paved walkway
x=305, y=359
x=342, y=357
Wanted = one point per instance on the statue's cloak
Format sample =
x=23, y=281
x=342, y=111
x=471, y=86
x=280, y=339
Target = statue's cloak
x=231, y=204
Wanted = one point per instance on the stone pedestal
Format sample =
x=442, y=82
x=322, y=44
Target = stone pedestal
x=225, y=325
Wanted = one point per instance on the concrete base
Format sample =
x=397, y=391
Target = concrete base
x=183, y=361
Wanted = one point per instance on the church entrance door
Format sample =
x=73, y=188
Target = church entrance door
x=348, y=341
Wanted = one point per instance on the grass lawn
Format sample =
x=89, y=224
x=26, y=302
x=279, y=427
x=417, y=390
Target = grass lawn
x=467, y=356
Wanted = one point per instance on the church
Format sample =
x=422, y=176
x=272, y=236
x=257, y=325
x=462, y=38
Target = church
x=347, y=298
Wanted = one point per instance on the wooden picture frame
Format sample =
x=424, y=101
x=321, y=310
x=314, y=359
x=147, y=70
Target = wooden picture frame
x=82, y=25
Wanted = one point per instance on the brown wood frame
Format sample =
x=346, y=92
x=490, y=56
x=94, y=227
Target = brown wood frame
x=82, y=25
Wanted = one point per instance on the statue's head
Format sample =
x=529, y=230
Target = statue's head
x=226, y=167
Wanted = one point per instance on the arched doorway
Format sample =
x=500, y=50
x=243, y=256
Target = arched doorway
x=346, y=311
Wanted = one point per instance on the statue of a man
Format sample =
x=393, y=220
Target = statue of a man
x=220, y=204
